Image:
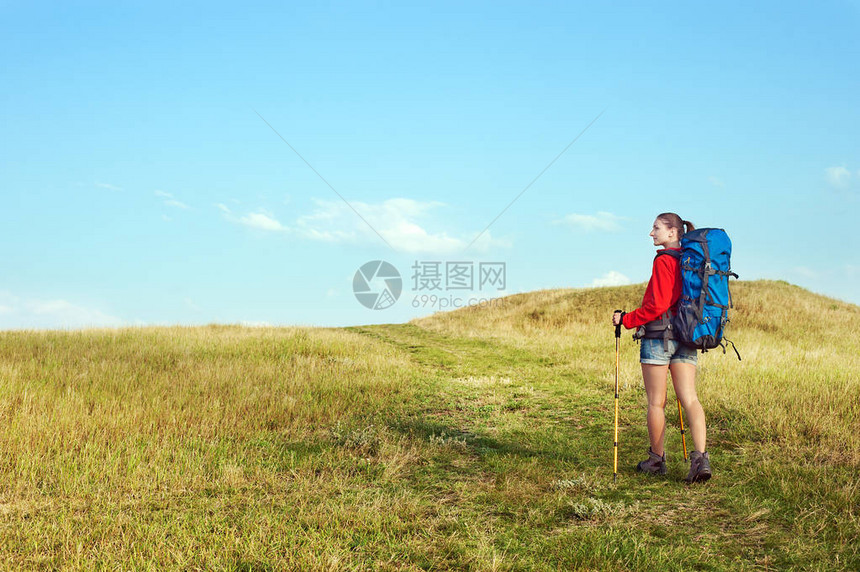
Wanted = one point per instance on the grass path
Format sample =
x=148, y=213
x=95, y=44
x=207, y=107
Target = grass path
x=527, y=456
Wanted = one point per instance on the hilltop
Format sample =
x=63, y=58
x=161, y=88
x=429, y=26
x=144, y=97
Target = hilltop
x=764, y=305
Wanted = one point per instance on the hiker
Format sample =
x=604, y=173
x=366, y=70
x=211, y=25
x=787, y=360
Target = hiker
x=660, y=353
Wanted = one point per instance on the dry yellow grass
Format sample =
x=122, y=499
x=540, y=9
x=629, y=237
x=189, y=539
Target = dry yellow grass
x=103, y=430
x=476, y=439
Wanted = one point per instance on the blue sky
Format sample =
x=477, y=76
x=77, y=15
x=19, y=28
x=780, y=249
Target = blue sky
x=140, y=186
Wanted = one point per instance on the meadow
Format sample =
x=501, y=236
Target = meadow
x=479, y=439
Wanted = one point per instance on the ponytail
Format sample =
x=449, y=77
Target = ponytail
x=674, y=221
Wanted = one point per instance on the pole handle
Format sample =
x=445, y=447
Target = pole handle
x=618, y=327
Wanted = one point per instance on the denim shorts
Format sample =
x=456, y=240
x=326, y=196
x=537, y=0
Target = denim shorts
x=652, y=351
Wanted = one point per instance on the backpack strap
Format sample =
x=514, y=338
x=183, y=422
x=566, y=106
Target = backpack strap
x=706, y=275
x=666, y=318
x=723, y=344
x=673, y=253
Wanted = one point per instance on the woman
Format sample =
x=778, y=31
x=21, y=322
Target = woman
x=660, y=353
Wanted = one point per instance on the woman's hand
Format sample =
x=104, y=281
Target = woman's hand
x=616, y=317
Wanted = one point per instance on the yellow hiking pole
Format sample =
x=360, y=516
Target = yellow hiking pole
x=683, y=431
x=617, y=340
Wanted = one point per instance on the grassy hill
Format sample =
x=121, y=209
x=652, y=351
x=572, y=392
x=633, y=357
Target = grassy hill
x=479, y=439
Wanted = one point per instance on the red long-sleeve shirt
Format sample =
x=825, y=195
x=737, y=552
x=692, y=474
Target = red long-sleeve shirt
x=662, y=292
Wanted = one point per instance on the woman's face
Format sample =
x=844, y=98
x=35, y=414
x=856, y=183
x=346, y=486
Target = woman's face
x=662, y=234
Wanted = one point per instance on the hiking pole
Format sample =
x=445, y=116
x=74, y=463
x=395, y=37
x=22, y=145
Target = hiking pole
x=617, y=341
x=683, y=431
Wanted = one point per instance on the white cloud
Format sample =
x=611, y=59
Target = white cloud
x=31, y=313
x=486, y=240
x=171, y=200
x=611, y=278
x=262, y=221
x=259, y=220
x=397, y=220
x=838, y=176
x=601, y=221
x=109, y=187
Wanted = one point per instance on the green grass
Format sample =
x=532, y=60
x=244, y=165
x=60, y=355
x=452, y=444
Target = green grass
x=473, y=440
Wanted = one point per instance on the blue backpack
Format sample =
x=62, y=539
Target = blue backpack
x=702, y=312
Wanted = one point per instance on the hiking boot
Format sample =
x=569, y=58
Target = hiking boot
x=655, y=464
x=700, y=467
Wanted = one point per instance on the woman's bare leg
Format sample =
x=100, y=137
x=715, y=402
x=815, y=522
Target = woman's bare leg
x=684, y=380
x=655, y=389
